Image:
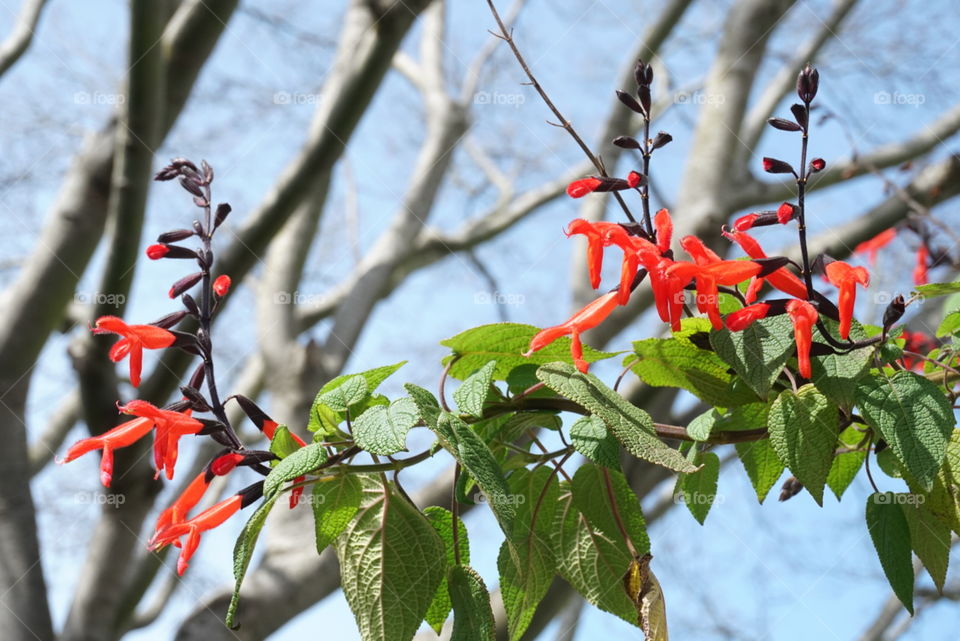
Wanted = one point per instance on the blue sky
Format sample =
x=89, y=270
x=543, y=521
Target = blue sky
x=778, y=571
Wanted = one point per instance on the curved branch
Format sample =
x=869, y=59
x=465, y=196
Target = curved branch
x=45, y=446
x=16, y=44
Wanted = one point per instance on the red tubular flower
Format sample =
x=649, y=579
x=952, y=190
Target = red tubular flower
x=634, y=179
x=594, y=247
x=745, y=222
x=845, y=278
x=700, y=253
x=194, y=528
x=803, y=315
x=872, y=246
x=170, y=426
x=783, y=279
x=663, y=225
x=920, y=271
x=120, y=436
x=587, y=318
x=135, y=339
x=709, y=278
x=157, y=251
x=743, y=317
x=582, y=187
x=753, y=290
x=786, y=213
x=178, y=510
x=221, y=285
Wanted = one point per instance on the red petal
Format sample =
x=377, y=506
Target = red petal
x=582, y=187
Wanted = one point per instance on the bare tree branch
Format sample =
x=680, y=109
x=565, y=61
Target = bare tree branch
x=16, y=44
x=61, y=421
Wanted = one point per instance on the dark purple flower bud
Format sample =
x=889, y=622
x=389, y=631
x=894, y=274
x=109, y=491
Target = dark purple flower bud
x=169, y=320
x=807, y=83
x=626, y=142
x=629, y=101
x=184, y=284
x=196, y=379
x=800, y=114
x=197, y=401
x=191, y=185
x=783, y=125
x=207, y=172
x=643, y=93
x=223, y=210
x=643, y=74
x=661, y=140
x=174, y=236
x=893, y=313
x=790, y=488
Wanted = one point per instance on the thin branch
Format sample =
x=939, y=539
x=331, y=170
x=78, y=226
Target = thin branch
x=16, y=44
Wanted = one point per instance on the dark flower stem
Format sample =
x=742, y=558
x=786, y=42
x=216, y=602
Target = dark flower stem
x=801, y=193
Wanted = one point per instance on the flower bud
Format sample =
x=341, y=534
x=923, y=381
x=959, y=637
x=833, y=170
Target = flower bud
x=221, y=285
x=184, y=284
x=817, y=164
x=783, y=124
x=661, y=140
x=774, y=166
x=807, y=83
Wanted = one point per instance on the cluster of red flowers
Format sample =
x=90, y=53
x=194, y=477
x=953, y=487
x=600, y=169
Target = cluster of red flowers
x=647, y=252
x=175, y=526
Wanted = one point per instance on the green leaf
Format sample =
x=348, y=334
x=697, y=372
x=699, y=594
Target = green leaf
x=242, y=552
x=338, y=394
x=472, y=614
x=943, y=501
x=427, y=405
x=591, y=553
x=933, y=290
x=702, y=425
x=676, y=362
x=504, y=343
x=479, y=462
x=762, y=464
x=526, y=561
x=891, y=538
x=836, y=375
x=304, y=460
x=391, y=562
x=589, y=436
x=803, y=431
x=913, y=415
x=282, y=444
x=629, y=424
x=383, y=429
x=846, y=465
x=949, y=325
x=757, y=353
x=698, y=490
x=472, y=394
x=442, y=521
x=335, y=502
x=929, y=538
x=350, y=391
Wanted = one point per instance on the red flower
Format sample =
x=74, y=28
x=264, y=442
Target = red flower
x=221, y=285
x=120, y=436
x=700, y=253
x=920, y=271
x=743, y=317
x=193, y=528
x=872, y=246
x=709, y=277
x=582, y=187
x=663, y=225
x=745, y=222
x=782, y=279
x=786, y=213
x=587, y=318
x=845, y=278
x=803, y=316
x=158, y=251
x=135, y=339
x=170, y=426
